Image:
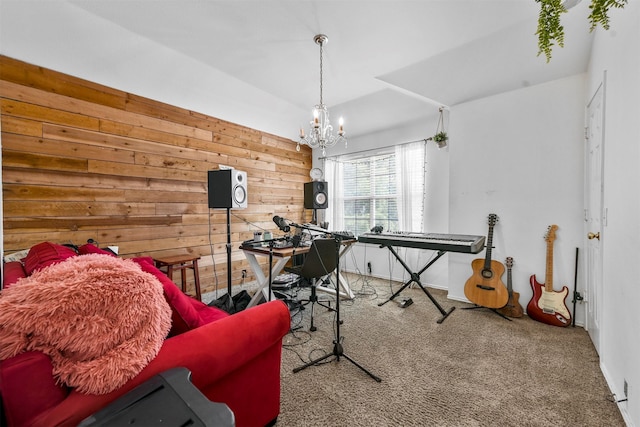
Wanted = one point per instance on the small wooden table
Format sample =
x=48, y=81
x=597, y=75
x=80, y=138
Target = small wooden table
x=181, y=263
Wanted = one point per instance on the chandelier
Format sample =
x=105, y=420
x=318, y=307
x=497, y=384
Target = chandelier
x=321, y=132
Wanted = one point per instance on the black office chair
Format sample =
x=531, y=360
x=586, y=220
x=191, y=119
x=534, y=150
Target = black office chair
x=320, y=261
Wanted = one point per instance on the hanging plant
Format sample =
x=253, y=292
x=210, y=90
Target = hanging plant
x=550, y=30
x=440, y=137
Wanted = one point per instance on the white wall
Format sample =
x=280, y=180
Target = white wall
x=617, y=52
x=520, y=155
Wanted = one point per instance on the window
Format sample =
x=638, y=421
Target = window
x=381, y=189
x=370, y=194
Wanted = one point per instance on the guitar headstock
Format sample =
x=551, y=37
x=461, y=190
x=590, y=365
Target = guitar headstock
x=492, y=219
x=509, y=262
x=551, y=233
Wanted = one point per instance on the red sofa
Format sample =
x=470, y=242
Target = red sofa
x=233, y=359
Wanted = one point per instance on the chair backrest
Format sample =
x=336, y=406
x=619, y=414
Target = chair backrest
x=321, y=259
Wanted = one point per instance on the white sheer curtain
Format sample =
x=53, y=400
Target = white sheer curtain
x=410, y=182
x=335, y=209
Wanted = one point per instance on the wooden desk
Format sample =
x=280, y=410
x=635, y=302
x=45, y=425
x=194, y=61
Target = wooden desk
x=280, y=257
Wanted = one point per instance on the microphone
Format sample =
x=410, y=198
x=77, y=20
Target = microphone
x=281, y=223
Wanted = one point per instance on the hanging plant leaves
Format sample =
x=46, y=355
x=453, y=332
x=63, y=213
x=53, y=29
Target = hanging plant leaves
x=550, y=30
x=600, y=12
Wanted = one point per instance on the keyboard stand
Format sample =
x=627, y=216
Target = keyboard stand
x=415, y=277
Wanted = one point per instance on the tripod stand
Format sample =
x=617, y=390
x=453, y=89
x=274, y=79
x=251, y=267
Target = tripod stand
x=488, y=308
x=338, y=350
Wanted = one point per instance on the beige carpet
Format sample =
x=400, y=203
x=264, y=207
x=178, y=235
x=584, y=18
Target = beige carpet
x=474, y=369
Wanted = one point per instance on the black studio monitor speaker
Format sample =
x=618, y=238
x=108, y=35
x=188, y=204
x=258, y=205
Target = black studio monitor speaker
x=227, y=189
x=316, y=195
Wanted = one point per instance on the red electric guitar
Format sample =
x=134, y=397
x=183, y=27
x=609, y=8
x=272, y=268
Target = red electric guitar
x=546, y=305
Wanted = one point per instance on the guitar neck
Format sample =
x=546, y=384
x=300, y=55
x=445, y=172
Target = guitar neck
x=548, y=279
x=487, y=259
x=509, y=286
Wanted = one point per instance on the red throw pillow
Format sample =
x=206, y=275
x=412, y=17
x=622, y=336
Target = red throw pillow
x=44, y=254
x=185, y=317
x=13, y=271
x=89, y=248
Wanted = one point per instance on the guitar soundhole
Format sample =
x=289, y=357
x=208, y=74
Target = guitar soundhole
x=487, y=274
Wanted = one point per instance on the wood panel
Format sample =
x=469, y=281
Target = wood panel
x=83, y=161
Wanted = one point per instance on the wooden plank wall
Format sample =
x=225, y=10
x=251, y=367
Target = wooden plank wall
x=83, y=161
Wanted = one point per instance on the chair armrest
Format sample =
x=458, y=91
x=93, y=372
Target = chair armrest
x=210, y=352
x=213, y=350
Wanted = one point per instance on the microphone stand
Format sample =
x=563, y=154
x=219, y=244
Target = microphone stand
x=338, y=350
x=270, y=268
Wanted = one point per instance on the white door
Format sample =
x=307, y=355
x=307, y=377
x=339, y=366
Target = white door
x=594, y=214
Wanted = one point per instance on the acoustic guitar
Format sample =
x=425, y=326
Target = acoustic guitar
x=485, y=287
x=546, y=305
x=513, y=307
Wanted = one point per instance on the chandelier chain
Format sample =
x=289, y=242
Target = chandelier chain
x=321, y=45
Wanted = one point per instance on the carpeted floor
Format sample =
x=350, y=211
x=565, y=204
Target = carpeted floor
x=474, y=369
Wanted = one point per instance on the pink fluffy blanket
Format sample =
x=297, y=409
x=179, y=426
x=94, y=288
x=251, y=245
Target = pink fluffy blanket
x=101, y=319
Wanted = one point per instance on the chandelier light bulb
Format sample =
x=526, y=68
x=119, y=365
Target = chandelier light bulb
x=316, y=118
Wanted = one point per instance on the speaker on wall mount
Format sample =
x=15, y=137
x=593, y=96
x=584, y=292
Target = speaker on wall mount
x=227, y=189
x=316, y=195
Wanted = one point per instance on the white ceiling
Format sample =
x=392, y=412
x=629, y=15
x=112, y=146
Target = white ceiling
x=387, y=63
